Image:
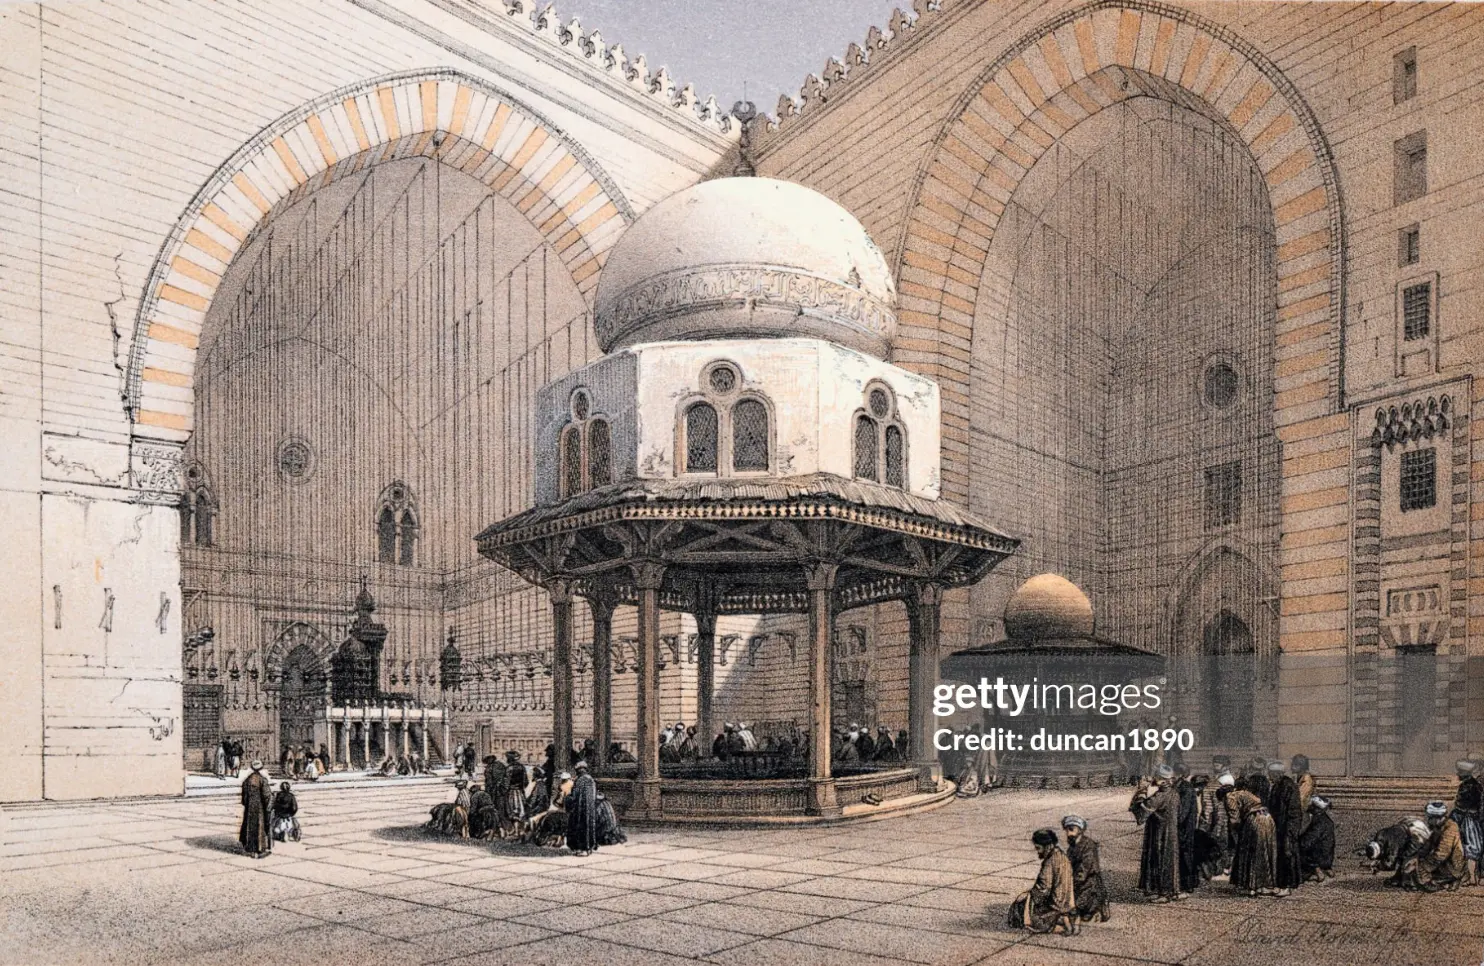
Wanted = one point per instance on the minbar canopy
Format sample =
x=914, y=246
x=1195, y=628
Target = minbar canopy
x=741, y=543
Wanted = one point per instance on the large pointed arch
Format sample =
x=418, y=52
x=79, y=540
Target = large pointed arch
x=461, y=120
x=1060, y=74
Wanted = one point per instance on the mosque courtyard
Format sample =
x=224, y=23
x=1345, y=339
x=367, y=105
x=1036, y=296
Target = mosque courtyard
x=161, y=881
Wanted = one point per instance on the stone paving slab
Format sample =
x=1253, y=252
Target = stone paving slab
x=163, y=882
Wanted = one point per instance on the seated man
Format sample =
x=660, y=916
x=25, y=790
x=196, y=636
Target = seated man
x=549, y=827
x=1087, y=870
x=617, y=755
x=1050, y=904
x=285, y=812
x=484, y=817
x=1441, y=865
x=1412, y=847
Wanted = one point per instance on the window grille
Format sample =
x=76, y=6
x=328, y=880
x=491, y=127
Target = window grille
x=896, y=470
x=866, y=452
x=749, y=436
x=700, y=438
x=1417, y=312
x=1223, y=495
x=1419, y=479
x=600, y=453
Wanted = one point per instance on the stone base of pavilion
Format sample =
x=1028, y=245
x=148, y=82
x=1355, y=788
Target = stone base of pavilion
x=777, y=801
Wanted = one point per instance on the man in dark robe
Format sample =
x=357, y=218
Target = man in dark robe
x=617, y=755
x=484, y=818
x=719, y=748
x=1087, y=871
x=1317, y=844
x=904, y=748
x=1257, y=778
x=255, y=835
x=865, y=745
x=1159, y=861
x=1050, y=905
x=549, y=767
x=1188, y=823
x=285, y=808
x=471, y=758
x=494, y=776
x=582, y=812
x=886, y=749
x=1256, y=851
x=1288, y=824
x=513, y=802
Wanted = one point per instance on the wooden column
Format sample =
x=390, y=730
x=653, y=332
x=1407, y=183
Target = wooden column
x=602, y=607
x=646, y=798
x=705, y=679
x=820, y=578
x=924, y=614
x=561, y=672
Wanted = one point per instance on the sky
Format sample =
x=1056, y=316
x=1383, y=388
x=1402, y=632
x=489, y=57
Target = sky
x=721, y=45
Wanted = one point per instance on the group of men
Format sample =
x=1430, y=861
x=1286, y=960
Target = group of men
x=302, y=761
x=406, y=765
x=1069, y=889
x=856, y=744
x=1264, y=827
x=266, y=817
x=532, y=805
x=1440, y=851
x=227, y=757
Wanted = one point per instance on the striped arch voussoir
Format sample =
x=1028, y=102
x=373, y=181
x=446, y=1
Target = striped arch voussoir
x=464, y=122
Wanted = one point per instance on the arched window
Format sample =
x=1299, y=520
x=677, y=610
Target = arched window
x=386, y=536
x=729, y=430
x=571, y=461
x=880, y=440
x=396, y=526
x=585, y=448
x=700, y=438
x=407, y=553
x=599, y=453
x=205, y=517
x=749, y=436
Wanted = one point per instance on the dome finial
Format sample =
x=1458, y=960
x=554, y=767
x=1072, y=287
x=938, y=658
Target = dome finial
x=1048, y=607
x=745, y=112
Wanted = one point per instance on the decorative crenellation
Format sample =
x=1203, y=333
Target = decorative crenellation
x=543, y=21
x=818, y=89
x=1411, y=421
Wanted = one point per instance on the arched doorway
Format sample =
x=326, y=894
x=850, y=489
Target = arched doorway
x=1230, y=672
x=301, y=696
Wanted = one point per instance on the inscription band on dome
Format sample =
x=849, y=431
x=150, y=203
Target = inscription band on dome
x=690, y=290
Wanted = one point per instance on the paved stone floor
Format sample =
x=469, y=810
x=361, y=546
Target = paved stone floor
x=160, y=882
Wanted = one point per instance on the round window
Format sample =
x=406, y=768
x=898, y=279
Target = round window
x=295, y=460
x=880, y=403
x=723, y=379
x=581, y=405
x=1220, y=385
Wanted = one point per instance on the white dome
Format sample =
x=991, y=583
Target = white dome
x=744, y=258
x=1048, y=607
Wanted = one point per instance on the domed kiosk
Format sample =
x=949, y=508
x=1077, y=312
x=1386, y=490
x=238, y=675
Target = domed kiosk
x=743, y=448
x=1050, y=642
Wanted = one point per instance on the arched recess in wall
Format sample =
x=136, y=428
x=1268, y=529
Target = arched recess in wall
x=462, y=121
x=1059, y=75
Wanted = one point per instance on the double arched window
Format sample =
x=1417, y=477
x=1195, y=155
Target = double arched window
x=880, y=441
x=197, y=509
x=724, y=430
x=585, y=449
x=396, y=527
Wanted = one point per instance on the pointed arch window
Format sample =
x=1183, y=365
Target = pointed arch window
x=198, y=509
x=397, y=526
x=728, y=430
x=585, y=449
x=880, y=440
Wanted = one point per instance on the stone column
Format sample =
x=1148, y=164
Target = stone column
x=924, y=615
x=447, y=736
x=561, y=671
x=646, y=798
x=602, y=608
x=705, y=676
x=406, y=742
x=386, y=731
x=820, y=578
x=366, y=737
x=345, y=738
x=423, y=727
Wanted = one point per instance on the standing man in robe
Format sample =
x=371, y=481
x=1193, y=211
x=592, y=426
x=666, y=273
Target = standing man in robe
x=1256, y=852
x=1288, y=826
x=1304, y=780
x=1188, y=822
x=256, y=836
x=1087, y=871
x=582, y=812
x=1159, y=861
x=1317, y=844
x=512, y=803
x=1050, y=904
